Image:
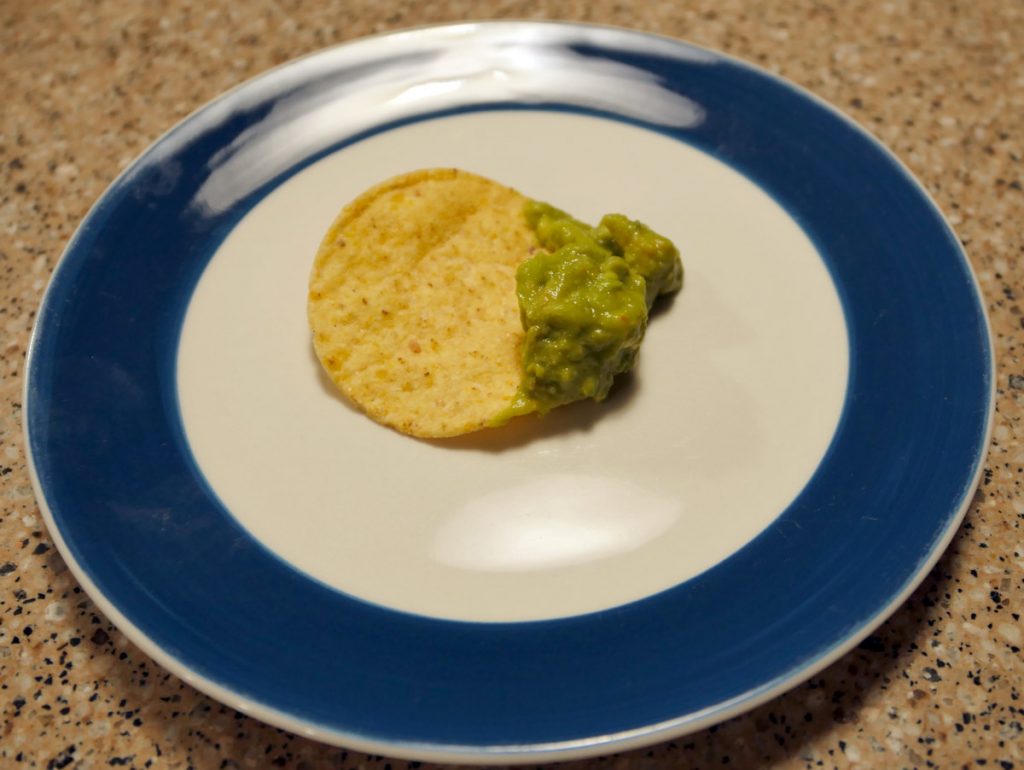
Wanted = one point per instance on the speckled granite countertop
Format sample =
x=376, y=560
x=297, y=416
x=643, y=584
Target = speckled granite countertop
x=87, y=85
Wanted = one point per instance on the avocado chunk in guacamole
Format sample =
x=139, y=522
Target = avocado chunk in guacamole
x=584, y=298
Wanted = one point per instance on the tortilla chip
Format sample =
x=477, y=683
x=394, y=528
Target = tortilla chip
x=412, y=301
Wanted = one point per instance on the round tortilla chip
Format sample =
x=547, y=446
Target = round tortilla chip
x=412, y=301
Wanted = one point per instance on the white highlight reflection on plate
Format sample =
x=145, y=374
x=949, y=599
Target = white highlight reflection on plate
x=552, y=521
x=486, y=67
x=736, y=396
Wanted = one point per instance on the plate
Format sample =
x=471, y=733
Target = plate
x=800, y=441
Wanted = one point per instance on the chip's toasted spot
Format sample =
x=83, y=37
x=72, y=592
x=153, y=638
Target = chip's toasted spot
x=412, y=301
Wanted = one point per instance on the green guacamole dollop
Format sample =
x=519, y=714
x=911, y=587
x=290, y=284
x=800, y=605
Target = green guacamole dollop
x=584, y=298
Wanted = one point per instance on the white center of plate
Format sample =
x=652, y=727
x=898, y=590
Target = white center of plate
x=738, y=392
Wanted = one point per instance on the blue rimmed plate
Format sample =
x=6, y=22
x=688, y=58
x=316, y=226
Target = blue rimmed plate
x=801, y=439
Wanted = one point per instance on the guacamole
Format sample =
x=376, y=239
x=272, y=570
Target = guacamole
x=584, y=297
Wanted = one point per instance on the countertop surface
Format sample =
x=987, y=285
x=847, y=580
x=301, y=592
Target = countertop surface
x=88, y=85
